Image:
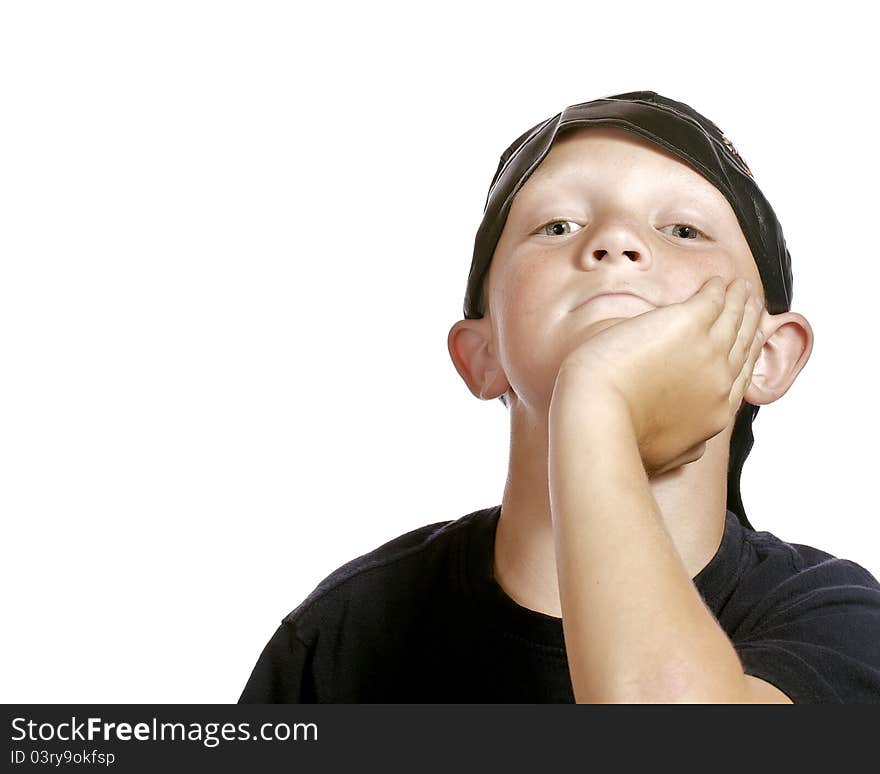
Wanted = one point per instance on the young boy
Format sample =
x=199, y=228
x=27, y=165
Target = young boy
x=608, y=307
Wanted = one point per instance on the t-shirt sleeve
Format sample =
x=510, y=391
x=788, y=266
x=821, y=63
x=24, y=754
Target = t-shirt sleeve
x=283, y=673
x=816, y=636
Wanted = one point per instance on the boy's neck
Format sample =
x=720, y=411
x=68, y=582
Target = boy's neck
x=692, y=500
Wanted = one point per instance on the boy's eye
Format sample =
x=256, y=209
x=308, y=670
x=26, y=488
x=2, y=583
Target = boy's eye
x=690, y=231
x=562, y=227
x=557, y=228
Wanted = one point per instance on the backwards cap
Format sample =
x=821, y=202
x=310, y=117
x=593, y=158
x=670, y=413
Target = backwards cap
x=698, y=142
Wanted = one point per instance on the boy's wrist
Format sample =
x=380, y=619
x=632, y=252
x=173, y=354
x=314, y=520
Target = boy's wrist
x=581, y=395
x=588, y=417
x=595, y=417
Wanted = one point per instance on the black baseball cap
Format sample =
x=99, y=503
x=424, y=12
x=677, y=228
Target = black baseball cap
x=698, y=142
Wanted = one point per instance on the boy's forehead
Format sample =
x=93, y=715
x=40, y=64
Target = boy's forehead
x=577, y=152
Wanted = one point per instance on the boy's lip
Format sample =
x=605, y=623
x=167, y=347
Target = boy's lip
x=611, y=292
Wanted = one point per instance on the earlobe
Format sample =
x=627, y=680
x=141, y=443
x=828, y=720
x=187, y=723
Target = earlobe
x=488, y=379
x=787, y=346
x=469, y=344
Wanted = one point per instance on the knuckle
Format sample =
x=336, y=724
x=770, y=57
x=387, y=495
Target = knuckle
x=719, y=420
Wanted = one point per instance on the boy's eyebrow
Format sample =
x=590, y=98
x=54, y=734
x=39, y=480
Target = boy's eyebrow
x=532, y=198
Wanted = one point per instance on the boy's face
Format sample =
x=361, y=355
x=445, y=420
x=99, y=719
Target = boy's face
x=605, y=210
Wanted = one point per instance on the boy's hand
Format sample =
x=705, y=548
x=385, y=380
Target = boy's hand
x=679, y=370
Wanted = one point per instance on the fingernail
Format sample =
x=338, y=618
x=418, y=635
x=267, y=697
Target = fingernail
x=749, y=285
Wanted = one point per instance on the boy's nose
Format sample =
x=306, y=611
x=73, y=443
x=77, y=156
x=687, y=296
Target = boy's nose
x=616, y=240
x=633, y=255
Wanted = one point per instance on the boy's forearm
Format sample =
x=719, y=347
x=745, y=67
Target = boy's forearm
x=636, y=628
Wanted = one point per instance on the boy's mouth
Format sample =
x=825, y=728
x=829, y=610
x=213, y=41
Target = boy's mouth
x=611, y=294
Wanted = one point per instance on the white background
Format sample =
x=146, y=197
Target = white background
x=234, y=238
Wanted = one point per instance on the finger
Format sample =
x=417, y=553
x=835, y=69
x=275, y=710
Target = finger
x=744, y=379
x=725, y=329
x=708, y=301
x=749, y=325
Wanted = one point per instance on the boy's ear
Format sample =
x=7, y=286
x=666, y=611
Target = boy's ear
x=470, y=347
x=788, y=342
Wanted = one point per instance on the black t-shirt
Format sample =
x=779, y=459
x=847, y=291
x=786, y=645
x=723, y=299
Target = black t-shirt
x=422, y=619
